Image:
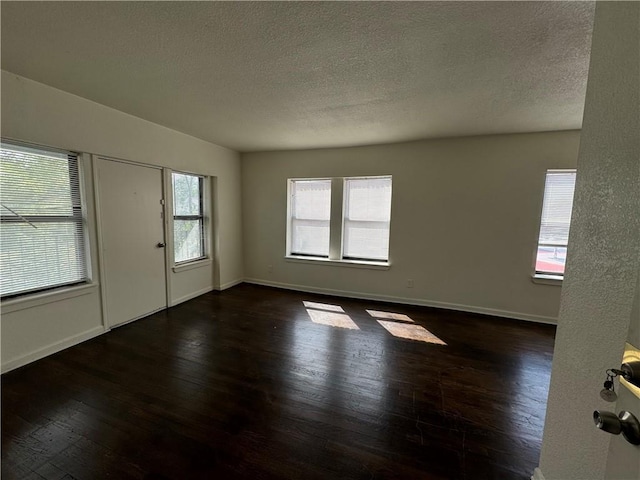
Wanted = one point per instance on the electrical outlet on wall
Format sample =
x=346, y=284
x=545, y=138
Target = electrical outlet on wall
x=409, y=283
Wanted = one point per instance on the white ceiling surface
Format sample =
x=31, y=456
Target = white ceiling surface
x=282, y=75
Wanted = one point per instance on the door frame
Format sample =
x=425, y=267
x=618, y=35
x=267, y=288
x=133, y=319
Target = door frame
x=100, y=243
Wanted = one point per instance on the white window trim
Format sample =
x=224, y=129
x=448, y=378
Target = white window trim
x=338, y=263
x=191, y=264
x=336, y=229
x=51, y=296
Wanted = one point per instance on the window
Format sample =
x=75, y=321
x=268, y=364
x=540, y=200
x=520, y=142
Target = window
x=310, y=211
x=367, y=215
x=42, y=239
x=188, y=217
x=554, y=224
x=361, y=233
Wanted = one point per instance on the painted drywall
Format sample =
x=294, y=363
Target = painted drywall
x=40, y=114
x=603, y=262
x=464, y=221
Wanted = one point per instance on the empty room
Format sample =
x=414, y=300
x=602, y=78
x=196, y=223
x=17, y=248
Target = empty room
x=320, y=240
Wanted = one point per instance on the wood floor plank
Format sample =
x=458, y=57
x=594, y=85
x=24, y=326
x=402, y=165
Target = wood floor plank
x=243, y=384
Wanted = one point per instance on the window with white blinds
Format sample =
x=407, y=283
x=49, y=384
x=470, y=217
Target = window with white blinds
x=555, y=221
x=359, y=233
x=309, y=216
x=367, y=216
x=42, y=240
x=188, y=217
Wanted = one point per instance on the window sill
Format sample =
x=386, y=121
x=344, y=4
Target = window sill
x=339, y=263
x=203, y=262
x=547, y=279
x=43, y=298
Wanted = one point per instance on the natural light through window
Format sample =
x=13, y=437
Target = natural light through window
x=390, y=315
x=330, y=315
x=332, y=319
x=323, y=306
x=551, y=254
x=402, y=326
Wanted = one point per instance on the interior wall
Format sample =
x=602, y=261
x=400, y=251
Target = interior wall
x=36, y=113
x=464, y=222
x=604, y=256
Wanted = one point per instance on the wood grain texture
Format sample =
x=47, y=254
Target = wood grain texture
x=243, y=384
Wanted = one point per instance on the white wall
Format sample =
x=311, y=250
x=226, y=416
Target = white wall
x=465, y=217
x=36, y=113
x=603, y=264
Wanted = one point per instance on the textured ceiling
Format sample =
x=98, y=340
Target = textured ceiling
x=280, y=75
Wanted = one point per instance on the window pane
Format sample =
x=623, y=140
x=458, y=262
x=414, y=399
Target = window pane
x=35, y=183
x=186, y=194
x=187, y=235
x=310, y=215
x=41, y=237
x=368, y=240
x=555, y=222
x=309, y=238
x=556, y=209
x=367, y=218
x=35, y=258
x=551, y=260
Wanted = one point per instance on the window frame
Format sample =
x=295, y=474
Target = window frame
x=345, y=201
x=289, y=241
x=77, y=218
x=336, y=227
x=541, y=276
x=202, y=218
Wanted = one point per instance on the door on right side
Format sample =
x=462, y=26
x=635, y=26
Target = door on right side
x=623, y=461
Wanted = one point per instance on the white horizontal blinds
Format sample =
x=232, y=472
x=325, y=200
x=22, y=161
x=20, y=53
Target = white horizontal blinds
x=188, y=217
x=556, y=208
x=310, y=215
x=367, y=215
x=42, y=242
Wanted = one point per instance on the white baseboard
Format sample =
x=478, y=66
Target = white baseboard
x=52, y=348
x=231, y=284
x=190, y=296
x=537, y=474
x=408, y=301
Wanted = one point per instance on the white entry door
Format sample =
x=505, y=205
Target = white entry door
x=132, y=240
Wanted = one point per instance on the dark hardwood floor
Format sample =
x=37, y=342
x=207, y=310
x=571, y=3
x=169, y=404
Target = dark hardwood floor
x=243, y=384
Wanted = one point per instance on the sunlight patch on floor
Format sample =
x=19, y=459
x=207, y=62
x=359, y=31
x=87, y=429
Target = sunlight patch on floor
x=410, y=332
x=323, y=306
x=390, y=315
x=332, y=319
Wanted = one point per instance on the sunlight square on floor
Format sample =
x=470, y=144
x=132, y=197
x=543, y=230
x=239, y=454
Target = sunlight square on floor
x=390, y=315
x=332, y=319
x=410, y=332
x=323, y=306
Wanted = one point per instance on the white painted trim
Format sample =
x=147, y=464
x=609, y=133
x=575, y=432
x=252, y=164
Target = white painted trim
x=547, y=279
x=537, y=474
x=52, y=348
x=44, y=298
x=339, y=263
x=98, y=222
x=232, y=284
x=409, y=301
x=191, y=295
x=203, y=262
